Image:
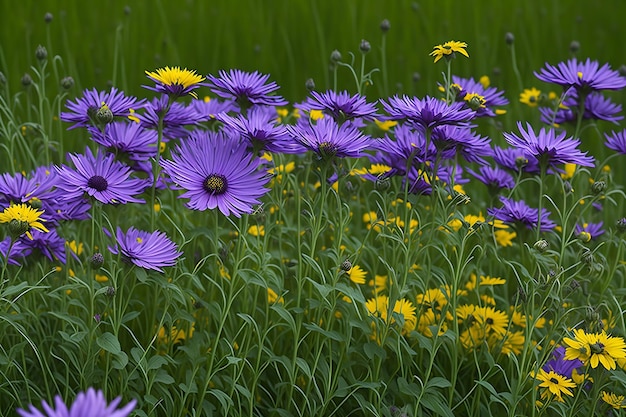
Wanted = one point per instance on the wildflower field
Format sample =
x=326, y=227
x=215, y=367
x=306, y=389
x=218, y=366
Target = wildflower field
x=312, y=209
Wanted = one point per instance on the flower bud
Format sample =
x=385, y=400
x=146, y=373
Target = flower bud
x=574, y=47
x=310, y=84
x=104, y=115
x=382, y=183
x=509, y=38
x=620, y=225
x=26, y=80
x=18, y=227
x=335, y=56
x=97, y=260
x=416, y=77
x=346, y=265
x=41, y=53
x=47, y=17
x=541, y=245
x=110, y=292
x=67, y=83
x=584, y=237
x=598, y=187
x=385, y=26
x=365, y=46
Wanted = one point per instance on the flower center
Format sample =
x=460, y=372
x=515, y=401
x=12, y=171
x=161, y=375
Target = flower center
x=215, y=184
x=328, y=149
x=554, y=381
x=98, y=183
x=489, y=321
x=597, y=348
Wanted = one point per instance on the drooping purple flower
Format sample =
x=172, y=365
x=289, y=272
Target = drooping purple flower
x=596, y=107
x=260, y=129
x=453, y=140
x=87, y=404
x=594, y=229
x=494, y=177
x=129, y=138
x=82, y=112
x=518, y=212
x=492, y=96
x=49, y=244
x=428, y=112
x=340, y=106
x=329, y=140
x=515, y=159
x=246, y=88
x=548, y=147
x=616, y=141
x=175, y=120
x=583, y=76
x=148, y=250
x=216, y=172
x=100, y=177
x=14, y=251
x=560, y=365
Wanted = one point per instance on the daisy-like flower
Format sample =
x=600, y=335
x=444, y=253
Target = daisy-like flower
x=548, y=147
x=596, y=107
x=87, y=404
x=49, y=244
x=530, y=96
x=554, y=385
x=491, y=96
x=518, y=212
x=379, y=307
x=428, y=112
x=175, y=120
x=100, y=177
x=494, y=177
x=560, y=365
x=83, y=111
x=618, y=402
x=148, y=250
x=341, y=106
x=595, y=348
x=589, y=231
x=515, y=159
x=583, y=76
x=21, y=218
x=451, y=141
x=246, y=88
x=357, y=274
x=329, y=140
x=128, y=138
x=175, y=82
x=216, y=172
x=449, y=50
x=616, y=141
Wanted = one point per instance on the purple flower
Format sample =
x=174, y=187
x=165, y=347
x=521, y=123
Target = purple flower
x=35, y=188
x=129, y=138
x=177, y=116
x=101, y=177
x=515, y=160
x=452, y=140
x=87, y=404
x=83, y=111
x=13, y=250
x=594, y=229
x=148, y=250
x=616, y=141
x=427, y=112
x=216, y=172
x=49, y=244
x=549, y=148
x=518, y=212
x=560, y=365
x=208, y=109
x=493, y=177
x=596, y=107
x=340, y=106
x=492, y=96
x=246, y=88
x=329, y=140
x=406, y=145
x=583, y=76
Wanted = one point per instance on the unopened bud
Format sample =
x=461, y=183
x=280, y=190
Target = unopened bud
x=598, y=187
x=104, y=115
x=41, y=53
x=110, y=292
x=541, y=245
x=97, y=260
x=509, y=38
x=18, y=227
x=67, y=83
x=310, y=84
x=584, y=237
x=385, y=26
x=26, y=80
x=346, y=265
x=574, y=47
x=335, y=56
x=365, y=46
x=47, y=17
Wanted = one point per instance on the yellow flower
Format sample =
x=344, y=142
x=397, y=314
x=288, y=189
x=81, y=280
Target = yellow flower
x=487, y=280
x=379, y=307
x=316, y=114
x=357, y=274
x=176, y=81
x=485, y=81
x=272, y=297
x=513, y=343
x=504, y=238
x=174, y=335
x=101, y=278
x=76, y=248
x=595, y=348
x=385, y=125
x=255, y=230
x=448, y=49
x=615, y=401
x=530, y=97
x=379, y=283
x=21, y=218
x=554, y=385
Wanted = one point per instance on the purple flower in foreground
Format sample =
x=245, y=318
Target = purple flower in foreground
x=83, y=111
x=340, y=106
x=49, y=244
x=560, y=365
x=583, y=76
x=329, y=140
x=208, y=109
x=518, y=212
x=216, y=172
x=17, y=251
x=515, y=159
x=491, y=96
x=548, y=148
x=616, y=141
x=87, y=404
x=427, y=112
x=101, y=177
x=175, y=120
x=145, y=249
x=247, y=88
x=129, y=138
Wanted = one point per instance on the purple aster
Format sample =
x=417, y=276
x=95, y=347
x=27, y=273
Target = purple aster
x=594, y=229
x=260, y=129
x=494, y=177
x=49, y=244
x=208, y=109
x=515, y=160
x=549, y=148
x=616, y=141
x=82, y=112
x=17, y=251
x=583, y=76
x=340, y=106
x=406, y=145
x=148, y=250
x=87, y=404
x=560, y=365
x=246, y=88
x=217, y=172
x=452, y=140
x=597, y=107
x=101, y=177
x=518, y=212
x=492, y=96
x=128, y=138
x=36, y=187
x=328, y=139
x=177, y=116
x=427, y=112
x=420, y=182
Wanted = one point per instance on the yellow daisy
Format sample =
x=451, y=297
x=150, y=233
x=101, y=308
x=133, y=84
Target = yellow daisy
x=22, y=218
x=449, y=49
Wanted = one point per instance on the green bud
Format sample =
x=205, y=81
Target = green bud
x=598, y=187
x=346, y=265
x=18, y=227
x=104, y=115
x=541, y=245
x=41, y=53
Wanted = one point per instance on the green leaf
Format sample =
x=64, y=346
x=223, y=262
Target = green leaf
x=109, y=343
x=120, y=360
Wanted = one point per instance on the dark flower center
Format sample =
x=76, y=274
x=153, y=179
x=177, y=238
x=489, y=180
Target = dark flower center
x=215, y=184
x=328, y=149
x=554, y=381
x=597, y=348
x=98, y=183
x=489, y=321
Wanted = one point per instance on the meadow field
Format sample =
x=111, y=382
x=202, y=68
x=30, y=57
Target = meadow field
x=312, y=208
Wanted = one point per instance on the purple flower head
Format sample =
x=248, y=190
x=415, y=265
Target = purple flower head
x=329, y=140
x=216, y=172
x=148, y=250
x=340, y=106
x=87, y=404
x=246, y=88
x=82, y=112
x=100, y=177
x=406, y=145
x=560, y=365
x=428, y=112
x=583, y=76
x=616, y=141
x=49, y=244
x=177, y=117
x=548, y=148
x=492, y=96
x=452, y=140
x=128, y=138
x=594, y=229
x=260, y=129
x=17, y=251
x=518, y=212
x=494, y=177
x=420, y=182
x=596, y=107
x=515, y=159
x=208, y=109
x=36, y=188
